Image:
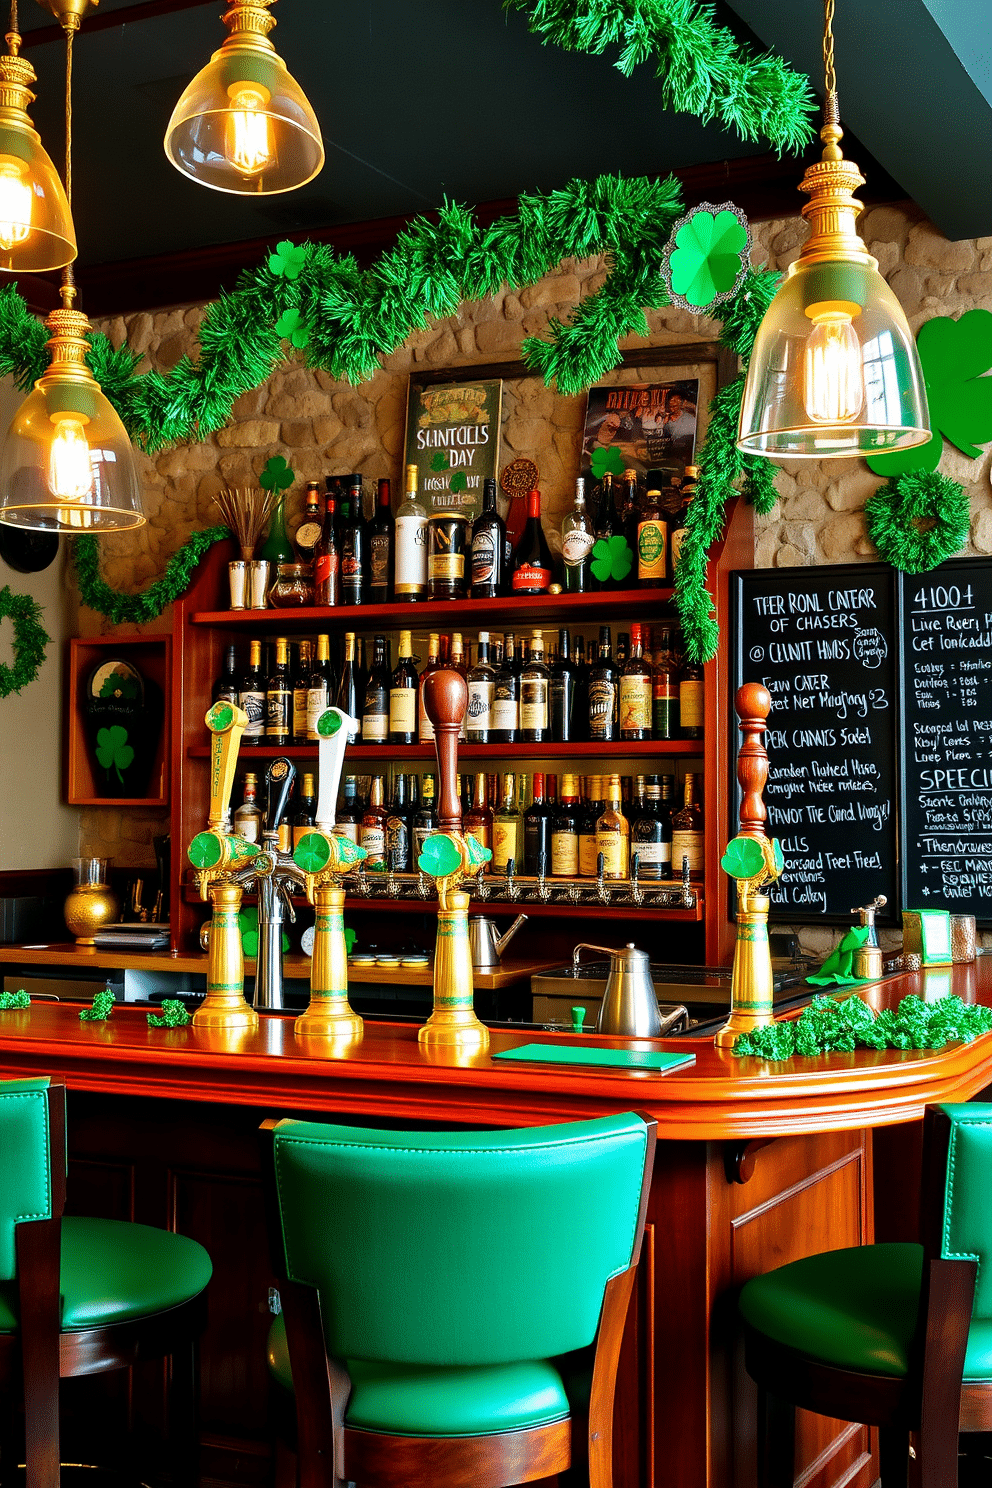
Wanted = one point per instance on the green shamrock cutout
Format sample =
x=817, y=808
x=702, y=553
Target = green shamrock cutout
x=248, y=925
x=607, y=459
x=743, y=858
x=328, y=723
x=439, y=460
x=294, y=328
x=611, y=558
x=459, y=481
x=112, y=749
x=312, y=853
x=954, y=354
x=119, y=684
x=288, y=260
x=277, y=475
x=476, y=852
x=710, y=256
x=439, y=856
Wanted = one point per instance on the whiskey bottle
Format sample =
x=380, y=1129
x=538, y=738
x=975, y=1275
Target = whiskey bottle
x=321, y=687
x=691, y=701
x=588, y=817
x=425, y=732
x=425, y=818
x=565, y=831
x=687, y=832
x=251, y=696
x=382, y=536
x=349, y=816
x=506, y=697
x=375, y=713
x=248, y=817
x=651, y=834
x=603, y=692
x=410, y=537
x=326, y=555
x=508, y=829
x=665, y=688
x=488, y=540
x=227, y=688
x=354, y=547
x=478, y=820
x=613, y=834
x=279, y=698
x=403, y=695
x=347, y=694
x=372, y=833
x=301, y=692
x=535, y=687
x=481, y=686
x=399, y=833
x=310, y=526
x=635, y=700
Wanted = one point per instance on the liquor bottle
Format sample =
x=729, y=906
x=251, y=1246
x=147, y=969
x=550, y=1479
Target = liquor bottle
x=652, y=543
x=227, y=688
x=687, y=493
x=532, y=562
x=305, y=808
x=382, y=538
x=535, y=695
x=354, y=547
x=301, y=692
x=577, y=538
x=425, y=818
x=537, y=831
x=372, y=833
x=508, y=829
x=375, y=712
x=563, y=693
x=622, y=650
x=691, y=704
x=687, y=832
x=251, y=696
x=403, y=695
x=565, y=831
x=326, y=555
x=349, y=816
x=590, y=815
x=410, y=581
x=399, y=835
x=310, y=526
x=651, y=834
x=458, y=664
x=580, y=707
x=613, y=834
x=635, y=692
x=506, y=698
x=481, y=687
x=320, y=689
x=279, y=698
x=603, y=692
x=488, y=542
x=628, y=514
x=665, y=688
x=605, y=526
x=347, y=694
x=248, y=818
x=478, y=820
x=425, y=732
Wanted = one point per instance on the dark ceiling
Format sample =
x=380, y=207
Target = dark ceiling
x=419, y=99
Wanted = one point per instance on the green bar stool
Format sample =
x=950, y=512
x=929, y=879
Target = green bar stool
x=893, y=1336
x=443, y=1292
x=81, y=1296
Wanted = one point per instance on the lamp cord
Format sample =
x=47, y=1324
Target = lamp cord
x=68, y=277
x=831, y=108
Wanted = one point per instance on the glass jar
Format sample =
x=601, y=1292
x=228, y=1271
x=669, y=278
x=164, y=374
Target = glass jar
x=293, y=587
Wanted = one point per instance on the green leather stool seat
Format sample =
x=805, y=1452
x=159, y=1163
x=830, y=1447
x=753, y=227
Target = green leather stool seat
x=113, y=1271
x=419, y=1400
x=856, y=1309
x=978, y=1359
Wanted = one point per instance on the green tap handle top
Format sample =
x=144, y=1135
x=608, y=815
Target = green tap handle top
x=323, y=852
x=578, y=1017
x=215, y=852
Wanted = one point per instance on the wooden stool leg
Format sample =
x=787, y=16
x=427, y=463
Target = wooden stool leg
x=184, y=1419
x=776, y=1441
x=893, y=1456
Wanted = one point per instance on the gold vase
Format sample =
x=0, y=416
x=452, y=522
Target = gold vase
x=88, y=908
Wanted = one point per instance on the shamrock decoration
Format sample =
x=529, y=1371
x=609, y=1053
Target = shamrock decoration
x=459, y=481
x=439, y=856
x=174, y=1015
x=119, y=685
x=112, y=749
x=743, y=858
x=329, y=723
x=248, y=925
x=14, y=1000
x=954, y=354
x=103, y=1006
x=611, y=559
x=476, y=852
x=312, y=853
x=288, y=260
x=707, y=255
x=295, y=329
x=439, y=460
x=277, y=475
x=607, y=459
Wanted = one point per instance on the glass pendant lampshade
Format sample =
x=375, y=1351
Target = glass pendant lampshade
x=244, y=125
x=36, y=231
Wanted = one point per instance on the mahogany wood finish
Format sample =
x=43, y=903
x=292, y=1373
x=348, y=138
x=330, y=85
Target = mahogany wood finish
x=445, y=699
x=753, y=704
x=152, y=655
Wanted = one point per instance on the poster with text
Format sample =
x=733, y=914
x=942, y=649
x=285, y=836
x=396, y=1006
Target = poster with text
x=452, y=436
x=642, y=427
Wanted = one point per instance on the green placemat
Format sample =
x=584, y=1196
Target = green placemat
x=658, y=1062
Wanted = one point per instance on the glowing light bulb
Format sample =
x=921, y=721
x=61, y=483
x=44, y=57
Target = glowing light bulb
x=15, y=203
x=834, y=391
x=70, y=472
x=249, y=145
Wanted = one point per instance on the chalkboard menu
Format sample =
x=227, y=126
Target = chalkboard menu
x=823, y=641
x=946, y=664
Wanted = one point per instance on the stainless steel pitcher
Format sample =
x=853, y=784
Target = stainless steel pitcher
x=630, y=1003
x=487, y=945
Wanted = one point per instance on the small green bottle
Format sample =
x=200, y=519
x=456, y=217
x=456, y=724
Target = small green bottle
x=277, y=547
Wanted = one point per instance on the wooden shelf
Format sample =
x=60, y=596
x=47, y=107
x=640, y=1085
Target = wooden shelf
x=648, y=748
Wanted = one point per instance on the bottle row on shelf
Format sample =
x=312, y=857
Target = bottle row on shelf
x=342, y=558
x=518, y=690
x=581, y=827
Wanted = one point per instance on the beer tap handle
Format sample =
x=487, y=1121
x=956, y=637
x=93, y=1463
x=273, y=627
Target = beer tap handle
x=333, y=728
x=446, y=698
x=279, y=779
x=226, y=723
x=752, y=705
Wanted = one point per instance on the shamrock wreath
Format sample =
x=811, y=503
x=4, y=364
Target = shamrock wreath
x=30, y=640
x=918, y=519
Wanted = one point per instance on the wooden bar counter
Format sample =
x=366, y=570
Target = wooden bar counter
x=757, y=1164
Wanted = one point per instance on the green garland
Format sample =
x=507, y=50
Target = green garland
x=14, y=1001
x=30, y=640
x=831, y=1027
x=918, y=520
x=174, y=1015
x=136, y=609
x=100, y=1009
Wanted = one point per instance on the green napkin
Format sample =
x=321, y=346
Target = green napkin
x=836, y=970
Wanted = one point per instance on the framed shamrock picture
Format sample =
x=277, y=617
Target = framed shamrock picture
x=642, y=426
x=453, y=438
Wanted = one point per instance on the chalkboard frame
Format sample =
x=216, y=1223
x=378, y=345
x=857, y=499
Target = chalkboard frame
x=891, y=915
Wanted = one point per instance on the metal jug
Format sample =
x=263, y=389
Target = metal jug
x=488, y=946
x=630, y=1003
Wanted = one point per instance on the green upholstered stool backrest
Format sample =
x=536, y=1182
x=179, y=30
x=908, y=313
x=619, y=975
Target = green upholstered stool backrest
x=25, y=1163
x=459, y=1247
x=967, y=1219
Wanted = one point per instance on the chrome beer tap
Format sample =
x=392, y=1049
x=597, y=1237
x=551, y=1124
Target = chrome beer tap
x=273, y=873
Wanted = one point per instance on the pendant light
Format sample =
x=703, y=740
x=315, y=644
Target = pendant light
x=67, y=464
x=36, y=231
x=834, y=369
x=244, y=124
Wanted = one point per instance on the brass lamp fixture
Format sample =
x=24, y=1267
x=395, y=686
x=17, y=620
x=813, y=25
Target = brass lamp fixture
x=67, y=464
x=834, y=370
x=36, y=231
x=245, y=125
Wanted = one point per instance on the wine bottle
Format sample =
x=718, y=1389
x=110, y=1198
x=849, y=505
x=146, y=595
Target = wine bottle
x=665, y=689
x=603, y=692
x=410, y=581
x=687, y=494
x=537, y=831
x=251, y=696
x=425, y=819
x=563, y=693
x=375, y=712
x=347, y=694
x=372, y=832
x=303, y=821
x=651, y=834
x=459, y=664
x=635, y=699
x=326, y=557
x=279, y=698
x=227, y=688
x=535, y=710
x=301, y=692
x=354, y=547
x=425, y=732
x=398, y=829
x=532, y=563
x=382, y=535
x=691, y=701
x=577, y=538
x=403, y=688
x=565, y=831
x=481, y=687
x=506, y=697
x=488, y=542
x=508, y=828
x=687, y=832
x=248, y=818
x=589, y=816
x=478, y=820
x=320, y=689
x=605, y=527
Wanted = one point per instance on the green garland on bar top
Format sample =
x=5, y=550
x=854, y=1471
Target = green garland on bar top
x=174, y=1015
x=30, y=640
x=831, y=1027
x=136, y=609
x=11, y=1001
x=100, y=1009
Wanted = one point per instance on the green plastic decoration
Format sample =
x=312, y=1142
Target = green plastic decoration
x=918, y=520
x=293, y=328
x=606, y=459
x=100, y=1009
x=277, y=475
x=829, y=1026
x=113, y=751
x=136, y=609
x=13, y=1001
x=708, y=256
x=743, y=858
x=311, y=853
x=248, y=925
x=174, y=1015
x=954, y=355
x=30, y=640
x=439, y=856
x=611, y=559
x=288, y=260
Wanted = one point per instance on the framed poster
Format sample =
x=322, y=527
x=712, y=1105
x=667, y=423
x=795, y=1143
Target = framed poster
x=640, y=426
x=452, y=436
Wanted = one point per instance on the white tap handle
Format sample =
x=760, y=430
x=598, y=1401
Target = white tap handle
x=333, y=728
